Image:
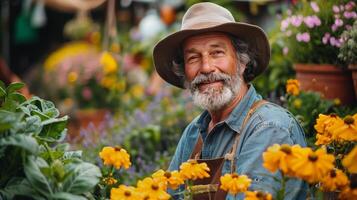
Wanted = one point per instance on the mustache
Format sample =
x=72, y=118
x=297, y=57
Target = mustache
x=212, y=77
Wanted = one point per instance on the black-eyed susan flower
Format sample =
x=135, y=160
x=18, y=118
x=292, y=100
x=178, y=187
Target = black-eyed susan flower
x=124, y=193
x=151, y=189
x=234, y=183
x=279, y=157
x=109, y=180
x=293, y=87
x=324, y=126
x=257, y=195
x=346, y=131
x=172, y=179
x=335, y=180
x=193, y=170
x=350, y=161
x=312, y=166
x=115, y=156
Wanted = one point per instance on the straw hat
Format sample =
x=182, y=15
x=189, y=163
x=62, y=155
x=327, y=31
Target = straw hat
x=203, y=18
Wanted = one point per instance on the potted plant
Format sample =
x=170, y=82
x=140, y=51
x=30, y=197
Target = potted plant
x=348, y=52
x=312, y=35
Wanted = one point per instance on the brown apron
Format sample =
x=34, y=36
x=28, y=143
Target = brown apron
x=209, y=188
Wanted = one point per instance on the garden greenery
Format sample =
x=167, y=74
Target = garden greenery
x=34, y=164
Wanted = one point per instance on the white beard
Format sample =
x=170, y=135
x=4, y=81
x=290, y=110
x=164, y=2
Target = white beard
x=213, y=99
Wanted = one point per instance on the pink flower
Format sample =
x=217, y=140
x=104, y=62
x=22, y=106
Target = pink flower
x=334, y=27
x=288, y=33
x=338, y=22
x=335, y=42
x=342, y=8
x=87, y=93
x=296, y=20
x=350, y=15
x=285, y=50
x=348, y=27
x=284, y=24
x=335, y=9
x=312, y=21
x=326, y=38
x=303, y=37
x=314, y=6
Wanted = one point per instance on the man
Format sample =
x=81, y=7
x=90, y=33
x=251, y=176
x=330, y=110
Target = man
x=215, y=58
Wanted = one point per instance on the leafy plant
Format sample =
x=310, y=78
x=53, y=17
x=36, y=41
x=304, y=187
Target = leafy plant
x=348, y=50
x=33, y=162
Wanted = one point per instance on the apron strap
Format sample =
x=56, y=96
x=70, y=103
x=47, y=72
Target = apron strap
x=198, y=147
x=231, y=156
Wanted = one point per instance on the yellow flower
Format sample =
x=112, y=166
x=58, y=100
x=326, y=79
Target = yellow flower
x=109, y=63
x=109, y=180
x=337, y=101
x=94, y=37
x=193, y=170
x=108, y=81
x=335, y=180
x=257, y=195
x=325, y=124
x=117, y=157
x=72, y=77
x=152, y=189
x=233, y=183
x=279, y=157
x=292, y=87
x=297, y=103
x=172, y=179
x=322, y=139
x=137, y=91
x=350, y=161
x=67, y=51
x=312, y=166
x=346, y=131
x=348, y=194
x=124, y=193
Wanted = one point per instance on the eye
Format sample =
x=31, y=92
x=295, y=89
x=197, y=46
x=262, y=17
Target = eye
x=217, y=52
x=192, y=58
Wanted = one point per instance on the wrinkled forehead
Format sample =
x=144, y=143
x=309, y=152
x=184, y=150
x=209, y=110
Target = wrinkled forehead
x=216, y=38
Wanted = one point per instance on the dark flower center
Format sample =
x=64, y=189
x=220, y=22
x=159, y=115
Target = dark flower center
x=167, y=174
x=127, y=193
x=333, y=173
x=286, y=149
x=154, y=186
x=235, y=175
x=117, y=148
x=349, y=119
x=313, y=157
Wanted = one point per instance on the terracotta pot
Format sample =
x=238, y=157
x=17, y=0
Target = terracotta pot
x=331, y=81
x=353, y=68
x=83, y=118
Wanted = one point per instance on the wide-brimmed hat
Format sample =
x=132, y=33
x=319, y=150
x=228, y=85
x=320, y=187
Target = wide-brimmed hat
x=203, y=18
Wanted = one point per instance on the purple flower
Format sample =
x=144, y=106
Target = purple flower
x=314, y=6
x=326, y=38
x=338, y=22
x=303, y=37
x=335, y=9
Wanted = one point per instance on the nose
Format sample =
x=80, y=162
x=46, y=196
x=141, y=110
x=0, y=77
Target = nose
x=207, y=65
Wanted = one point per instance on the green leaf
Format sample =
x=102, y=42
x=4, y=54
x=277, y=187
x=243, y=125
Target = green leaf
x=2, y=85
x=17, y=97
x=82, y=177
x=35, y=177
x=20, y=186
x=72, y=154
x=7, y=120
x=66, y=196
x=54, y=130
x=26, y=142
x=2, y=92
x=14, y=87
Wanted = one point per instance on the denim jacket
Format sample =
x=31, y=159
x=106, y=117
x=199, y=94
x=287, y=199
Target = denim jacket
x=270, y=124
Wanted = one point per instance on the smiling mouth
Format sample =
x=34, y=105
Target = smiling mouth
x=208, y=84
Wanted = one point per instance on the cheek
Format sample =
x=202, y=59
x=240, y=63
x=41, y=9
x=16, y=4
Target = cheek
x=190, y=72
